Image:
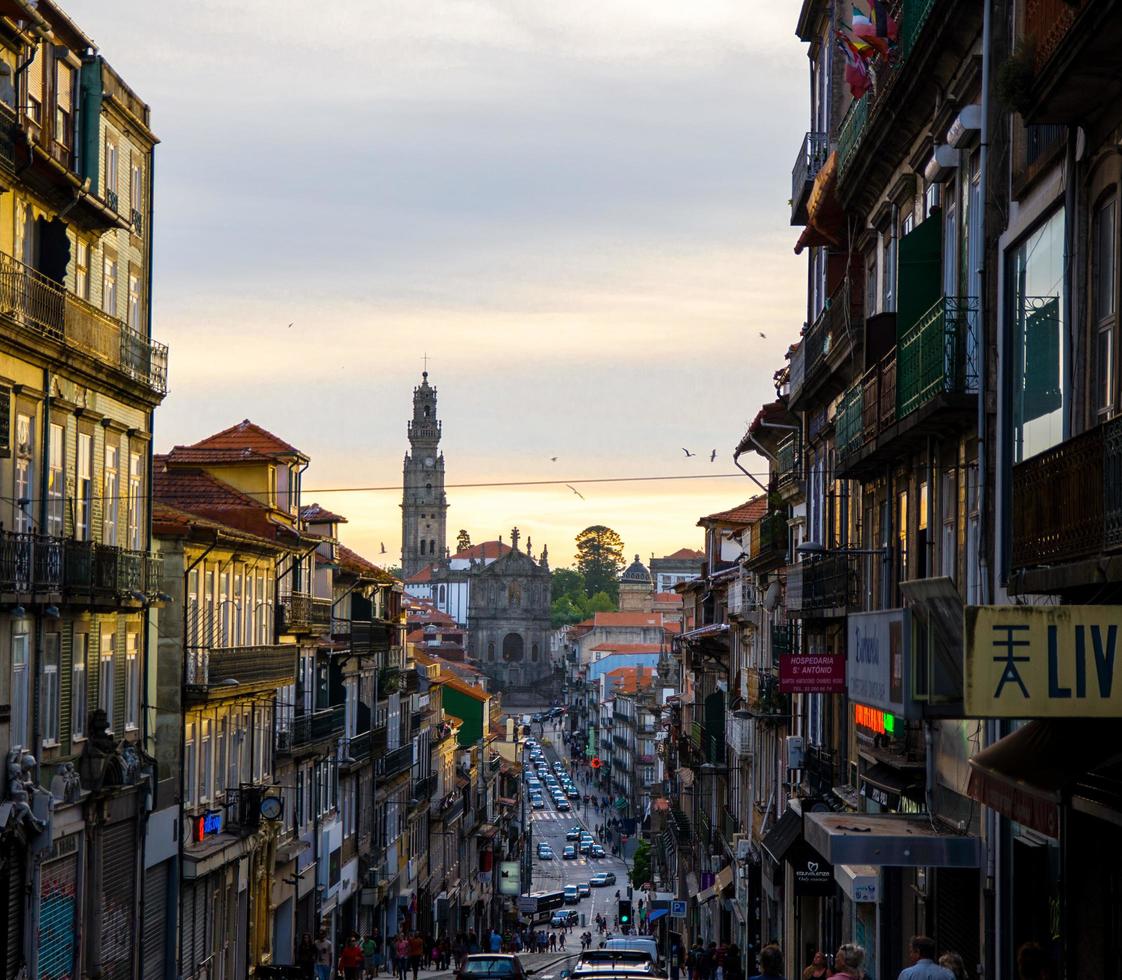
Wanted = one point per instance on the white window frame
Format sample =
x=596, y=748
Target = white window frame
x=111, y=496
x=21, y=686
x=136, y=502
x=189, y=760
x=206, y=762
x=132, y=681
x=24, y=470
x=56, y=479
x=110, y=272
x=83, y=510
x=105, y=673
x=49, y=705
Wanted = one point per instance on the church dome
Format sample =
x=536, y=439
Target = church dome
x=636, y=574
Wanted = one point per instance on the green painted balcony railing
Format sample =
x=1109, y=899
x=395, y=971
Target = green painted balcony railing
x=938, y=354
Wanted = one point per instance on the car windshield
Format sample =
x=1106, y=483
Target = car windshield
x=493, y=967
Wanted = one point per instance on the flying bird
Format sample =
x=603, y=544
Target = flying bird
x=575, y=490
x=713, y=456
x=688, y=453
x=383, y=547
x=553, y=459
x=291, y=324
x=764, y=335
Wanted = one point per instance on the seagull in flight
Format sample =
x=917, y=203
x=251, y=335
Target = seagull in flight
x=713, y=456
x=553, y=459
x=575, y=490
x=688, y=453
x=383, y=547
x=764, y=335
x=291, y=324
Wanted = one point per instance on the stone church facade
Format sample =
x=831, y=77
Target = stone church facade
x=508, y=618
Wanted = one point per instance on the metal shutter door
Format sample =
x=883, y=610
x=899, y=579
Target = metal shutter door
x=155, y=921
x=187, y=930
x=58, y=890
x=957, y=913
x=12, y=885
x=118, y=879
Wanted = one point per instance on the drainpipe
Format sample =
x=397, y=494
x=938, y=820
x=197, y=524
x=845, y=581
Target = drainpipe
x=751, y=476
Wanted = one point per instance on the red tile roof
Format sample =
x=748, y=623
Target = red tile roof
x=485, y=549
x=746, y=513
x=168, y=521
x=315, y=514
x=243, y=442
x=474, y=692
x=673, y=597
x=197, y=492
x=628, y=680
x=684, y=554
x=352, y=561
x=628, y=647
x=421, y=577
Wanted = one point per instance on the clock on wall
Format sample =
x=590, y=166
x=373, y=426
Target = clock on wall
x=429, y=461
x=270, y=808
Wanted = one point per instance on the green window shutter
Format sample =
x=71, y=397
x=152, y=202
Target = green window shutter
x=920, y=283
x=93, y=671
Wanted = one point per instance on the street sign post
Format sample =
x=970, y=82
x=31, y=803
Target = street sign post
x=678, y=909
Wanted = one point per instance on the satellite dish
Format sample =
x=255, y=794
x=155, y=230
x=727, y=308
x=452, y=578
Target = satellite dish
x=771, y=597
x=686, y=776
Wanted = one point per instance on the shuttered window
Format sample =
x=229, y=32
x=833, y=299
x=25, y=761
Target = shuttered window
x=5, y=421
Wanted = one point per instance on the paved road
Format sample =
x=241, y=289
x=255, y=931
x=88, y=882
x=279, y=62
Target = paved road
x=554, y=874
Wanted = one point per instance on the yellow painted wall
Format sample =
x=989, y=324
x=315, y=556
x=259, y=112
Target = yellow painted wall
x=252, y=480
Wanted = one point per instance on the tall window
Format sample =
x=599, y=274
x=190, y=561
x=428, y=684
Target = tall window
x=106, y=679
x=24, y=471
x=136, y=185
x=1038, y=284
x=112, y=159
x=109, y=283
x=82, y=270
x=56, y=483
x=64, y=105
x=78, y=688
x=136, y=502
x=902, y=532
x=888, y=292
x=1104, y=273
x=220, y=753
x=189, y=772
x=35, y=86
x=206, y=762
x=132, y=681
x=134, y=302
x=83, y=516
x=110, y=506
x=21, y=685
x=948, y=505
x=225, y=639
x=48, y=689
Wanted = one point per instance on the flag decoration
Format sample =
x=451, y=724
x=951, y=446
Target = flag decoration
x=856, y=70
x=867, y=34
x=885, y=24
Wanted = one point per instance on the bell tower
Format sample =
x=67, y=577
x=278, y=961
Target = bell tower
x=424, y=506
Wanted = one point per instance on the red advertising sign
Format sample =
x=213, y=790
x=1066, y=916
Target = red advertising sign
x=818, y=673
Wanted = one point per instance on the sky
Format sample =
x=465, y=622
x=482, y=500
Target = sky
x=578, y=210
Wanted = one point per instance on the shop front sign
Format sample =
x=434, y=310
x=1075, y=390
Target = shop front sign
x=878, y=672
x=814, y=875
x=811, y=674
x=1043, y=662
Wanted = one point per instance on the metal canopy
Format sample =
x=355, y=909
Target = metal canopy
x=889, y=840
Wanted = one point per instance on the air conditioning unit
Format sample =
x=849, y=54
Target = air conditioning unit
x=743, y=845
x=795, y=751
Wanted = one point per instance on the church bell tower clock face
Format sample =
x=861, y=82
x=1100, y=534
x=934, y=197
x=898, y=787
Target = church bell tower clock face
x=430, y=462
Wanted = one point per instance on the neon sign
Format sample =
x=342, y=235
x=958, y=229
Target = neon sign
x=880, y=722
x=209, y=824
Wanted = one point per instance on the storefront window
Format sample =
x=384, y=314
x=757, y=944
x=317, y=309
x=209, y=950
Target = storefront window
x=1037, y=285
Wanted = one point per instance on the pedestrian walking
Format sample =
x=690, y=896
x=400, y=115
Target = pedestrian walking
x=561, y=938
x=953, y=962
x=922, y=953
x=401, y=955
x=306, y=956
x=849, y=962
x=325, y=956
x=731, y=965
x=771, y=963
x=351, y=959
x=369, y=957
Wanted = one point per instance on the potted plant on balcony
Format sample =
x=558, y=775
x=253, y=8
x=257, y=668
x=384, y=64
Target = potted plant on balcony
x=1015, y=77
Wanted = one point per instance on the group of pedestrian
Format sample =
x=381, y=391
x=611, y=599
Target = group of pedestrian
x=401, y=956
x=713, y=962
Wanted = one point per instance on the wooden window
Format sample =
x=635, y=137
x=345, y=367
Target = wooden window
x=64, y=105
x=106, y=678
x=21, y=685
x=134, y=301
x=24, y=470
x=79, y=690
x=111, y=503
x=132, y=681
x=136, y=502
x=34, y=106
x=109, y=271
x=112, y=159
x=49, y=689
x=189, y=772
x=56, y=480
x=1104, y=304
x=82, y=270
x=83, y=513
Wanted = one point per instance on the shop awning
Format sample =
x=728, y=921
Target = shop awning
x=889, y=840
x=724, y=878
x=1023, y=775
x=781, y=838
x=657, y=914
x=892, y=783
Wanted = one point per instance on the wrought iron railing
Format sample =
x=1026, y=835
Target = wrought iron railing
x=294, y=612
x=318, y=726
x=320, y=614
x=42, y=306
x=1067, y=500
x=238, y=667
x=1047, y=22
x=394, y=762
x=822, y=585
x=812, y=154
x=938, y=354
x=789, y=465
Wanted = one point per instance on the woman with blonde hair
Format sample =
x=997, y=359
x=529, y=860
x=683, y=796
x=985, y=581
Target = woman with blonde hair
x=849, y=962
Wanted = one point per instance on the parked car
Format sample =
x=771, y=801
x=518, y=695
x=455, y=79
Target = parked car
x=492, y=966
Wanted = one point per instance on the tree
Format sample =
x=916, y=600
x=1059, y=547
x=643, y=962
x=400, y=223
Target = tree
x=600, y=560
x=566, y=581
x=641, y=865
x=463, y=540
x=564, y=612
x=601, y=602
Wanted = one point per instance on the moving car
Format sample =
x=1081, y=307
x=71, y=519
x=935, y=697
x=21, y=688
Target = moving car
x=537, y=802
x=545, y=852
x=573, y=833
x=572, y=792
x=596, y=851
x=492, y=966
x=563, y=804
x=637, y=944
x=570, y=853
x=566, y=917
x=602, y=879
x=584, y=888
x=615, y=964
x=572, y=894
x=585, y=846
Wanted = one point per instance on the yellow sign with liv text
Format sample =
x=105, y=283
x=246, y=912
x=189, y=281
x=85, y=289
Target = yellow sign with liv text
x=1043, y=661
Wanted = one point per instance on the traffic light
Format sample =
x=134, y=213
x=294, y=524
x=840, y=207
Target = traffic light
x=624, y=912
